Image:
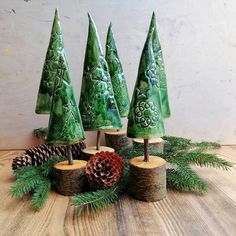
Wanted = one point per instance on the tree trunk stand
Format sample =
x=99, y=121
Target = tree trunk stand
x=117, y=139
x=148, y=179
x=90, y=151
x=69, y=179
x=156, y=144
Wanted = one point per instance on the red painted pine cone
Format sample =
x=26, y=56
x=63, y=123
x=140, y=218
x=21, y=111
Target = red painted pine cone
x=104, y=169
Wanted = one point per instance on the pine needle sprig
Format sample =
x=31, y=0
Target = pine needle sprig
x=40, y=132
x=94, y=201
x=21, y=171
x=185, y=179
x=202, y=160
x=26, y=183
x=41, y=193
x=47, y=167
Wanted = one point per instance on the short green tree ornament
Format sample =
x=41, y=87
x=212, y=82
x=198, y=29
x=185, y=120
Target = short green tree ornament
x=117, y=75
x=97, y=103
x=145, y=120
x=65, y=128
x=46, y=88
x=157, y=51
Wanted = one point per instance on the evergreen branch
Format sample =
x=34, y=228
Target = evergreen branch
x=203, y=146
x=185, y=179
x=47, y=167
x=40, y=132
x=93, y=201
x=202, y=159
x=41, y=193
x=25, y=183
x=19, y=172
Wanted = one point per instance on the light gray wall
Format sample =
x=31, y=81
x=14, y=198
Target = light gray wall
x=199, y=45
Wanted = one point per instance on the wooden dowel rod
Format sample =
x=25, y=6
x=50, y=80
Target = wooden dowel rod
x=69, y=155
x=98, y=140
x=146, y=149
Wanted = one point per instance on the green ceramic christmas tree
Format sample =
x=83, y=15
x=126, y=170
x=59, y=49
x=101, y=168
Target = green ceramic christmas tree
x=97, y=104
x=145, y=118
x=117, y=74
x=56, y=46
x=157, y=51
x=65, y=124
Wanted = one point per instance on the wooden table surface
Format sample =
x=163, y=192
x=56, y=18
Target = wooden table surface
x=178, y=214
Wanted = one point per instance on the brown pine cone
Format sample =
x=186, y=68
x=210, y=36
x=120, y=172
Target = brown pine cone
x=36, y=156
x=104, y=169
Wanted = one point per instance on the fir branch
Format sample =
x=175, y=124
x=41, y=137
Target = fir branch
x=185, y=179
x=203, y=146
x=47, y=167
x=41, y=193
x=25, y=183
x=21, y=171
x=40, y=132
x=93, y=201
x=202, y=159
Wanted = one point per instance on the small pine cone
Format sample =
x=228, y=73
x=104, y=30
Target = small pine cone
x=38, y=155
x=104, y=169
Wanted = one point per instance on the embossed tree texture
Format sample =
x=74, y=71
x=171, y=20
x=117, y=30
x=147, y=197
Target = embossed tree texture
x=65, y=128
x=157, y=51
x=97, y=104
x=145, y=120
x=55, y=48
x=117, y=75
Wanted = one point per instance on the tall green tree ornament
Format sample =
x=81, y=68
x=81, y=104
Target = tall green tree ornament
x=46, y=88
x=145, y=120
x=65, y=124
x=157, y=51
x=117, y=74
x=97, y=102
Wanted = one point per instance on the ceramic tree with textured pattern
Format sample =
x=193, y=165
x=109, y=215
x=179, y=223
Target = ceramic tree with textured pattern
x=157, y=51
x=55, y=48
x=117, y=139
x=46, y=87
x=145, y=120
x=97, y=103
x=64, y=129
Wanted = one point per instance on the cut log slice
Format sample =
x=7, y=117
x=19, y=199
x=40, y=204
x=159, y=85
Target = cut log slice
x=148, y=179
x=90, y=151
x=70, y=179
x=117, y=139
x=154, y=143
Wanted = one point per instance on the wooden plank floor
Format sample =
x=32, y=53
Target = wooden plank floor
x=178, y=214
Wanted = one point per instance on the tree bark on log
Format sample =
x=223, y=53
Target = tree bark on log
x=156, y=144
x=92, y=150
x=69, y=179
x=117, y=139
x=148, y=179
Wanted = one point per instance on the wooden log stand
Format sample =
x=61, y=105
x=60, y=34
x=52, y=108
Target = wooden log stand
x=92, y=150
x=117, y=139
x=69, y=179
x=156, y=144
x=148, y=178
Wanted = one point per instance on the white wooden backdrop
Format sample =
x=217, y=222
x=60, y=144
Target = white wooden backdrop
x=199, y=45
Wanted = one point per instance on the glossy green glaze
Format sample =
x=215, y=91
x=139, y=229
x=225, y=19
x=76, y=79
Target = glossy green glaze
x=117, y=75
x=56, y=46
x=97, y=102
x=160, y=68
x=65, y=124
x=145, y=118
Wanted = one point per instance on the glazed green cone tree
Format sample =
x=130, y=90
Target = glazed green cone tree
x=65, y=125
x=157, y=51
x=145, y=118
x=117, y=75
x=46, y=88
x=97, y=104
